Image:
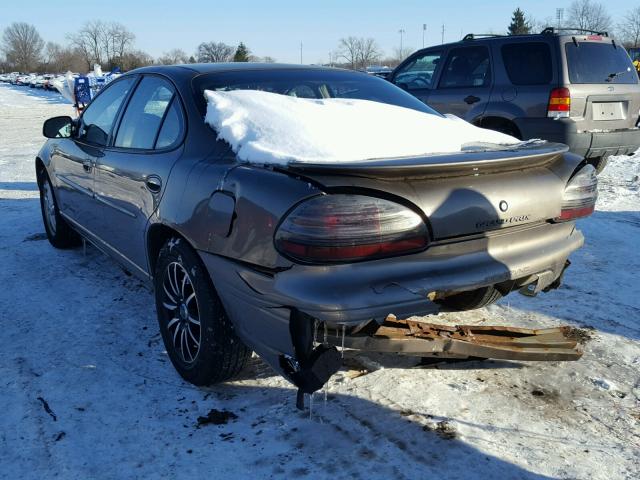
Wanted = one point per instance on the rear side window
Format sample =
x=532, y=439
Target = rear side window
x=145, y=112
x=591, y=62
x=528, y=63
x=171, y=130
x=467, y=67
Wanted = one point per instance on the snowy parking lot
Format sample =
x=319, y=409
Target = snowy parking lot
x=87, y=390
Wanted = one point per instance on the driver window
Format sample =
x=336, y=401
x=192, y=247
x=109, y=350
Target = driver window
x=99, y=116
x=419, y=72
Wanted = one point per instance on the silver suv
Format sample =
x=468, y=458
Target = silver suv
x=578, y=89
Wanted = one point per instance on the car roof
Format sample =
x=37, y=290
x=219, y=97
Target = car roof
x=200, y=68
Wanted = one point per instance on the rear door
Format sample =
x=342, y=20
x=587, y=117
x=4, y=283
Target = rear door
x=603, y=82
x=418, y=73
x=465, y=84
x=132, y=173
x=524, y=77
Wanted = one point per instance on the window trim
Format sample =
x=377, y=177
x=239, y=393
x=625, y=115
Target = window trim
x=146, y=151
x=446, y=64
x=533, y=42
x=116, y=121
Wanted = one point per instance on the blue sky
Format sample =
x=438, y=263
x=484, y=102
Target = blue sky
x=277, y=28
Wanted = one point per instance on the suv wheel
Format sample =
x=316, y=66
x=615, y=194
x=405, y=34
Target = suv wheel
x=196, y=331
x=59, y=232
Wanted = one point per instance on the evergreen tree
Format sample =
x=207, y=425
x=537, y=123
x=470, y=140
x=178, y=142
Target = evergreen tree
x=192, y=59
x=242, y=53
x=519, y=24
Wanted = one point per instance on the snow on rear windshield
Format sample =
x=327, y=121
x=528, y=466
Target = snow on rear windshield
x=269, y=128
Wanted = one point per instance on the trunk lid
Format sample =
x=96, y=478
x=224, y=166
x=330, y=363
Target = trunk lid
x=464, y=193
x=602, y=80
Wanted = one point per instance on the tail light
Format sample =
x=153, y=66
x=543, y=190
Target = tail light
x=580, y=195
x=345, y=228
x=559, y=103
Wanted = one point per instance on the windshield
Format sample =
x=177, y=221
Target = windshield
x=591, y=62
x=308, y=83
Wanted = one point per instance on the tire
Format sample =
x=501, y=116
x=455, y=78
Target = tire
x=196, y=331
x=473, y=299
x=59, y=232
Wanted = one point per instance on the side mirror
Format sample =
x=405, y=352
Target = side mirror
x=57, y=127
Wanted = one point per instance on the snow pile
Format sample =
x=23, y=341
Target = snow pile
x=264, y=127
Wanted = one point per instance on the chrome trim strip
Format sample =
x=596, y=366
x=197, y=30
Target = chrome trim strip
x=109, y=203
x=74, y=185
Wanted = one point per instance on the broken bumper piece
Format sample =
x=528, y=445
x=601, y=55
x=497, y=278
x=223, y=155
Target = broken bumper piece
x=464, y=341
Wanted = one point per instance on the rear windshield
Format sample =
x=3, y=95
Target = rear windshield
x=591, y=62
x=307, y=83
x=528, y=63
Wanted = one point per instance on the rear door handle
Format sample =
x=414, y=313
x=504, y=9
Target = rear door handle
x=154, y=184
x=471, y=99
x=87, y=165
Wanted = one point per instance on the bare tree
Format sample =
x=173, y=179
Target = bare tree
x=215, y=52
x=588, y=15
x=369, y=52
x=400, y=55
x=349, y=50
x=103, y=43
x=265, y=59
x=135, y=59
x=630, y=28
x=173, y=57
x=117, y=40
x=22, y=45
x=88, y=42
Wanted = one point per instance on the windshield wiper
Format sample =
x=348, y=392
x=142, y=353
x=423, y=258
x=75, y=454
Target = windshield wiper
x=614, y=75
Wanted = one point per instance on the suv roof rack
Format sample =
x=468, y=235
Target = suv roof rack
x=473, y=36
x=552, y=30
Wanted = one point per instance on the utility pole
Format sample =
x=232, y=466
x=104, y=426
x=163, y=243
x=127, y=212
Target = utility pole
x=559, y=16
x=300, y=53
x=443, y=33
x=424, y=30
x=401, y=32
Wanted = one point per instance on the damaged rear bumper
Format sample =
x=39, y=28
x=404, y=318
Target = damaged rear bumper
x=260, y=304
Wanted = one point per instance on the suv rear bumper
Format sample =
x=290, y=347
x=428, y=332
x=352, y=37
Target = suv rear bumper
x=587, y=144
x=260, y=304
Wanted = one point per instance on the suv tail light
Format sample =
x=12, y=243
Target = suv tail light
x=344, y=228
x=580, y=195
x=559, y=103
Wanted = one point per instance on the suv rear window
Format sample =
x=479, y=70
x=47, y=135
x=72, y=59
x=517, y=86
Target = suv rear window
x=591, y=62
x=528, y=63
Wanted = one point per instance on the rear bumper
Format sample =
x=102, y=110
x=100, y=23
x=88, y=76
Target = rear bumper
x=260, y=304
x=584, y=143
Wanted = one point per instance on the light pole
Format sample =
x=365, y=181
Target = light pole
x=300, y=53
x=442, y=33
x=559, y=16
x=401, y=32
x=424, y=29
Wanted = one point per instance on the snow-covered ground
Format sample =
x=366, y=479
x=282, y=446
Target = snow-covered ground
x=86, y=390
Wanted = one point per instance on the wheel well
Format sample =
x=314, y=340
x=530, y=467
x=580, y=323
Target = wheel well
x=157, y=236
x=40, y=168
x=501, y=125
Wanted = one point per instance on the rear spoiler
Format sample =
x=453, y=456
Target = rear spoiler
x=521, y=156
